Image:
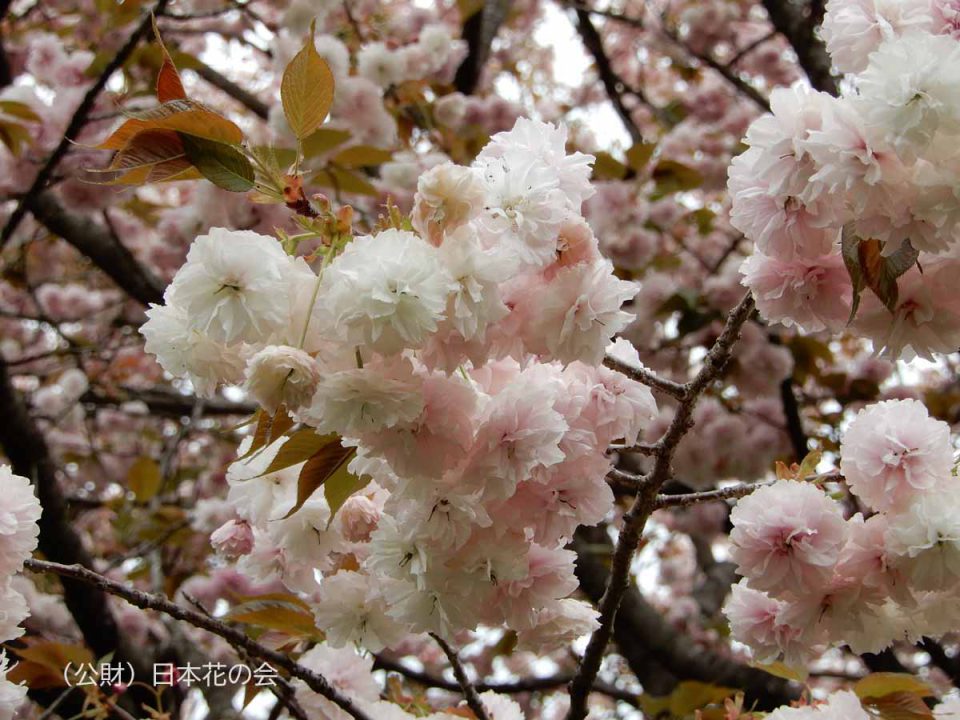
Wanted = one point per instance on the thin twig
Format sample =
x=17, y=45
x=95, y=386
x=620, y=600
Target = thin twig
x=645, y=503
x=642, y=375
x=148, y=601
x=78, y=120
x=469, y=691
x=522, y=685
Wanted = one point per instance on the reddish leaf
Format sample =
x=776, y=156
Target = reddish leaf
x=319, y=468
x=169, y=85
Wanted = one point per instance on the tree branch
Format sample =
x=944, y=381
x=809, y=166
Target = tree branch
x=660, y=654
x=96, y=242
x=479, y=31
x=254, y=104
x=469, y=691
x=644, y=504
x=612, y=82
x=29, y=456
x=797, y=23
x=648, y=378
x=147, y=601
x=78, y=120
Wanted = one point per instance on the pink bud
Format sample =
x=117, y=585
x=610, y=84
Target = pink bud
x=233, y=539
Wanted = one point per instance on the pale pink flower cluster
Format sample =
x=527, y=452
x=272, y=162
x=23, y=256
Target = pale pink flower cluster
x=19, y=513
x=882, y=160
x=813, y=578
x=462, y=360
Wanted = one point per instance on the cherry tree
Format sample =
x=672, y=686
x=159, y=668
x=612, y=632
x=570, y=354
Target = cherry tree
x=427, y=359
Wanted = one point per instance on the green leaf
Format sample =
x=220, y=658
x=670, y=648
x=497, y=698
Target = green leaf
x=19, y=110
x=321, y=467
x=286, y=614
x=781, y=670
x=144, y=479
x=340, y=486
x=300, y=447
x=607, y=167
x=362, y=156
x=808, y=466
x=899, y=705
x=306, y=89
x=687, y=697
x=344, y=181
x=222, y=164
x=14, y=136
x=671, y=177
x=880, y=684
x=323, y=139
x=639, y=155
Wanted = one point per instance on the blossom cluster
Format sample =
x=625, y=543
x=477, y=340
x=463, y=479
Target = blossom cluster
x=881, y=161
x=19, y=513
x=813, y=578
x=461, y=358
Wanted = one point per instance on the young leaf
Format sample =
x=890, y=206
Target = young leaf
x=880, y=684
x=20, y=110
x=144, y=479
x=186, y=116
x=286, y=615
x=868, y=267
x=671, y=177
x=362, y=156
x=340, y=486
x=639, y=155
x=323, y=139
x=300, y=447
x=306, y=90
x=169, y=85
x=320, y=468
x=344, y=181
x=607, y=167
x=221, y=164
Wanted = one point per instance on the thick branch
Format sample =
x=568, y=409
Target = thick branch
x=172, y=404
x=797, y=22
x=78, y=120
x=662, y=655
x=147, y=601
x=254, y=104
x=27, y=451
x=94, y=241
x=479, y=31
x=635, y=518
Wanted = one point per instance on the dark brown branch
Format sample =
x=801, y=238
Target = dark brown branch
x=479, y=31
x=523, y=685
x=728, y=493
x=797, y=22
x=25, y=448
x=148, y=601
x=635, y=518
x=78, y=120
x=612, y=82
x=96, y=242
x=660, y=654
x=171, y=404
x=466, y=686
x=254, y=104
x=648, y=378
